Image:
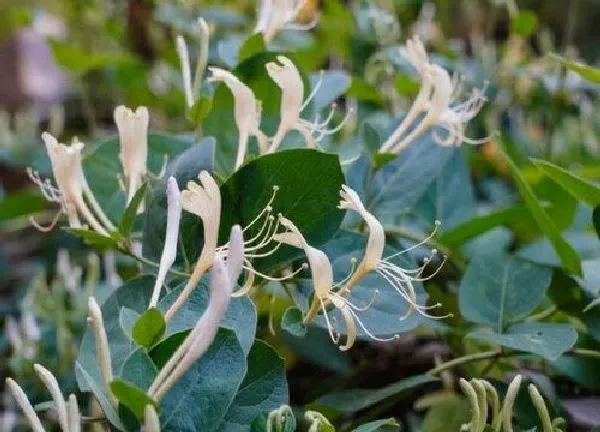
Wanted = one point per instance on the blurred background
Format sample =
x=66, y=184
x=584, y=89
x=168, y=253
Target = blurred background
x=65, y=65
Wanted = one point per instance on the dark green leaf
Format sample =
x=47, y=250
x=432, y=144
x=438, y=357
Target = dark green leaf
x=576, y=186
x=128, y=218
x=448, y=415
x=21, y=203
x=264, y=389
x=309, y=183
x=162, y=352
x=255, y=44
x=93, y=238
x=132, y=397
x=351, y=401
x=200, y=110
x=292, y=322
x=149, y=328
x=596, y=220
x=568, y=257
x=498, y=289
x=549, y=340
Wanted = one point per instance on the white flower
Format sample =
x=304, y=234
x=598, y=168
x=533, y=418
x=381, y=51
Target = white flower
x=73, y=414
x=199, y=339
x=247, y=112
x=401, y=279
x=436, y=102
x=275, y=15
x=191, y=88
x=96, y=324
x=133, y=137
x=322, y=276
x=72, y=187
x=151, y=421
x=51, y=385
x=169, y=252
x=26, y=407
x=285, y=74
x=203, y=200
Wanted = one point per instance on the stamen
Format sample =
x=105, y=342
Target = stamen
x=276, y=279
x=45, y=228
x=419, y=244
x=330, y=327
x=353, y=262
x=314, y=91
x=265, y=254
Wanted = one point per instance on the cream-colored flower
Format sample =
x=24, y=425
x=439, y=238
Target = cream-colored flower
x=51, y=385
x=435, y=105
x=133, y=137
x=26, y=407
x=199, y=339
x=169, y=252
x=275, y=15
x=247, y=112
x=96, y=323
x=285, y=74
x=72, y=186
x=203, y=200
x=151, y=421
x=190, y=88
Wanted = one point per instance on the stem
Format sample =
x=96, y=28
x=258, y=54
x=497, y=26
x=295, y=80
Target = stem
x=486, y=355
x=585, y=352
x=151, y=263
x=542, y=315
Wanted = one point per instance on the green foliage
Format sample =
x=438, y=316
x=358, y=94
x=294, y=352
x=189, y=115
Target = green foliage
x=149, y=328
x=590, y=73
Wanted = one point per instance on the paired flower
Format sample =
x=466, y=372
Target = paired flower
x=69, y=417
x=275, y=15
x=190, y=88
x=223, y=277
x=435, y=105
x=133, y=136
x=247, y=112
x=285, y=74
x=72, y=189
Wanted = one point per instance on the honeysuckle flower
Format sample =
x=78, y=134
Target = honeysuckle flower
x=169, y=252
x=73, y=414
x=23, y=338
x=203, y=200
x=322, y=277
x=25, y=405
x=317, y=421
x=71, y=188
x=436, y=103
x=133, y=137
x=51, y=385
x=275, y=15
x=285, y=74
x=191, y=88
x=401, y=279
x=278, y=418
x=96, y=324
x=199, y=339
x=151, y=422
x=541, y=408
x=247, y=112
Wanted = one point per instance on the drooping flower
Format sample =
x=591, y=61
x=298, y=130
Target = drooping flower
x=190, y=88
x=26, y=407
x=169, y=252
x=435, y=105
x=133, y=137
x=96, y=324
x=285, y=74
x=247, y=112
x=275, y=15
x=151, y=421
x=51, y=385
x=72, y=187
x=322, y=277
x=401, y=279
x=199, y=339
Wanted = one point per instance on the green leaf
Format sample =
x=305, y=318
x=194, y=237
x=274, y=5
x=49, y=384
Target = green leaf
x=255, y=44
x=201, y=109
x=93, y=238
x=127, y=319
x=448, y=415
x=576, y=186
x=541, y=251
x=498, y=289
x=21, y=203
x=79, y=61
x=264, y=389
x=399, y=184
x=582, y=370
x=524, y=23
x=149, y=328
x=383, y=425
x=364, y=91
x=588, y=72
x=162, y=352
x=568, y=257
x=183, y=168
x=549, y=340
x=351, y=401
x=132, y=397
x=292, y=322
x=128, y=218
x=200, y=399
x=478, y=225
x=309, y=183
x=103, y=168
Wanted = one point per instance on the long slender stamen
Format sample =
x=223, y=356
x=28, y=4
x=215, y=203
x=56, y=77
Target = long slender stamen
x=291, y=275
x=366, y=330
x=353, y=263
x=268, y=236
x=314, y=91
x=264, y=254
x=266, y=209
x=335, y=337
x=419, y=244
